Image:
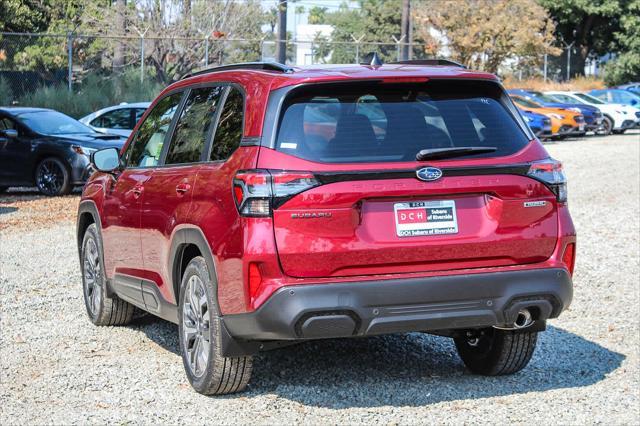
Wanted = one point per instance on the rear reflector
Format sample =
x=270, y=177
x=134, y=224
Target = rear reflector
x=255, y=279
x=569, y=257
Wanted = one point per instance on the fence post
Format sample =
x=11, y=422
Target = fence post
x=206, y=51
x=70, y=59
x=569, y=62
x=398, y=43
x=142, y=58
x=545, y=68
x=357, y=40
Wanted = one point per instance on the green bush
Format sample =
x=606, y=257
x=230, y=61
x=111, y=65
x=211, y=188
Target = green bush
x=95, y=91
x=6, y=94
x=624, y=69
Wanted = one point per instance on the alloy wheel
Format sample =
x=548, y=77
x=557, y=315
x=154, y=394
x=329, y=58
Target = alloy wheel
x=92, y=276
x=196, y=333
x=50, y=177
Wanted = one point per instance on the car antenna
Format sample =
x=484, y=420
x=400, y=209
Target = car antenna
x=372, y=59
x=375, y=60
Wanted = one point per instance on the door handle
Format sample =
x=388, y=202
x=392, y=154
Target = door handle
x=183, y=188
x=137, y=191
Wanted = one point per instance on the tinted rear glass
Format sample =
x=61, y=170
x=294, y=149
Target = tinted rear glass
x=375, y=122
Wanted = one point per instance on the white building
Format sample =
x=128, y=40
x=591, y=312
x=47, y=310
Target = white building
x=305, y=34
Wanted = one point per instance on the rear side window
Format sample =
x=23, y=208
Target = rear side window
x=193, y=126
x=229, y=131
x=116, y=119
x=375, y=122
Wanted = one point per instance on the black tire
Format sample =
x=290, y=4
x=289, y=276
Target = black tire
x=102, y=310
x=607, y=126
x=52, y=177
x=217, y=375
x=497, y=352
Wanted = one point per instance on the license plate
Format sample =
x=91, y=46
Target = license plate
x=581, y=126
x=425, y=218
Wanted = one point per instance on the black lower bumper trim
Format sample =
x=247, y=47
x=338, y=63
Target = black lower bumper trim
x=315, y=311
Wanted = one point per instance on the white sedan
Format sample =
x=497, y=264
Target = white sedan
x=617, y=118
x=117, y=119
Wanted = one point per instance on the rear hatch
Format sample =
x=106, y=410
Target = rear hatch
x=364, y=203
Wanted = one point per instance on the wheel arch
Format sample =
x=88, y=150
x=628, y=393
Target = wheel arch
x=186, y=243
x=87, y=214
x=610, y=117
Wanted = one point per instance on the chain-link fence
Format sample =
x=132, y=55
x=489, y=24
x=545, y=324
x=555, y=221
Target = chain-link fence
x=29, y=62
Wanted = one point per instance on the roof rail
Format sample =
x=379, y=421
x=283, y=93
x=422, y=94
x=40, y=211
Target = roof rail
x=445, y=62
x=264, y=66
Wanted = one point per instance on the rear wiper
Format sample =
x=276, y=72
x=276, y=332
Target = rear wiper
x=438, y=153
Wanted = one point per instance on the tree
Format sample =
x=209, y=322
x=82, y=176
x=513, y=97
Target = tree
x=484, y=34
x=626, y=66
x=48, y=54
x=591, y=25
x=374, y=21
x=317, y=15
x=121, y=28
x=23, y=16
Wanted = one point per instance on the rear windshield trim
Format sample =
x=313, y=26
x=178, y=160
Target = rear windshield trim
x=277, y=101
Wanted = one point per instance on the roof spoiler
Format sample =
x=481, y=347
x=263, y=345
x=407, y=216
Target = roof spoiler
x=262, y=66
x=431, y=62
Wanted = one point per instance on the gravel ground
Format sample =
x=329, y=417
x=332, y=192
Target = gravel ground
x=58, y=368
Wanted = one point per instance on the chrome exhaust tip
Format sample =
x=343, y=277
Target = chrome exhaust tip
x=523, y=319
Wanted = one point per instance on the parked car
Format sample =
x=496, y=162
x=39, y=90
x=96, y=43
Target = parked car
x=256, y=206
x=564, y=123
x=617, y=96
x=633, y=87
x=45, y=148
x=117, y=119
x=539, y=124
x=592, y=115
x=617, y=118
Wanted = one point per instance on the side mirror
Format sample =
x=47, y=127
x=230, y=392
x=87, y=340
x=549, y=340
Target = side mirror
x=9, y=133
x=106, y=160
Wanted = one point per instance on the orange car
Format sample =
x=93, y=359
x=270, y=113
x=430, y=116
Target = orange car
x=563, y=121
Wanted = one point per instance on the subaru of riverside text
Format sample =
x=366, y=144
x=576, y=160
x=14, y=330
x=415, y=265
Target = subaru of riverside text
x=258, y=205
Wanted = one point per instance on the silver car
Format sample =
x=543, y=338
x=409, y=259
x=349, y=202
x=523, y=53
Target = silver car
x=117, y=119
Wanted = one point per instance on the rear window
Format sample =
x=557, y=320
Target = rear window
x=376, y=122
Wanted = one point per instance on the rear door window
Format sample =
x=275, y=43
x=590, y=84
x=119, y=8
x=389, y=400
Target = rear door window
x=194, y=125
x=374, y=122
x=229, y=132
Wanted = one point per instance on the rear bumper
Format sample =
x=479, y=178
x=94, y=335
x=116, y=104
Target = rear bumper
x=315, y=311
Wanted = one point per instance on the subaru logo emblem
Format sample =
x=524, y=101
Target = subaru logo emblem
x=429, y=174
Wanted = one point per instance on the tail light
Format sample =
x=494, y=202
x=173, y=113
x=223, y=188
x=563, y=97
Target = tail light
x=550, y=173
x=258, y=192
x=569, y=256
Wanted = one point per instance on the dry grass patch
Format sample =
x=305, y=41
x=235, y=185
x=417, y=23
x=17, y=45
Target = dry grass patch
x=581, y=84
x=27, y=211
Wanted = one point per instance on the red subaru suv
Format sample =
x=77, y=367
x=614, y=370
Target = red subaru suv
x=258, y=205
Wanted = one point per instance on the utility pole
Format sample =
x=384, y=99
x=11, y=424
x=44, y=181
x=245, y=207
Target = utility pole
x=406, y=29
x=281, y=42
